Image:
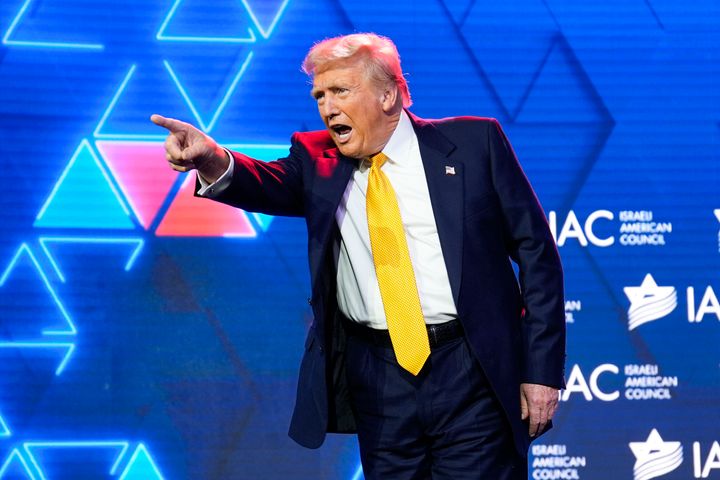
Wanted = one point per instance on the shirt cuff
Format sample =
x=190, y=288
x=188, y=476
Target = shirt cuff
x=212, y=190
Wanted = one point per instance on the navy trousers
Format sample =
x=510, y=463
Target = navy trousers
x=443, y=424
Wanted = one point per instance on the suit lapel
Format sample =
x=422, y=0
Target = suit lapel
x=333, y=179
x=334, y=172
x=444, y=174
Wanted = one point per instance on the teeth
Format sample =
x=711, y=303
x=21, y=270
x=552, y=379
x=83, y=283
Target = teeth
x=342, y=131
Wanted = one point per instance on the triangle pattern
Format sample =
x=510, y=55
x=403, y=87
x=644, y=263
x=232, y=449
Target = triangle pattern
x=29, y=305
x=266, y=14
x=207, y=83
x=142, y=173
x=458, y=9
x=142, y=92
x=141, y=467
x=562, y=93
x=510, y=40
x=84, y=197
x=190, y=216
x=15, y=468
x=198, y=20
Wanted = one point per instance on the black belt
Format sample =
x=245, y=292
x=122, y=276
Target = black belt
x=438, y=334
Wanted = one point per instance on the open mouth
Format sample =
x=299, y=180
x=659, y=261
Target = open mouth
x=342, y=131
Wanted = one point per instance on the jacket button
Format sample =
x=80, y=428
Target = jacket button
x=309, y=300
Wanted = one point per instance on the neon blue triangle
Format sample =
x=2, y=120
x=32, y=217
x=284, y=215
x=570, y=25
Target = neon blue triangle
x=84, y=197
x=15, y=468
x=266, y=14
x=142, y=92
x=213, y=79
x=196, y=20
x=28, y=302
x=141, y=467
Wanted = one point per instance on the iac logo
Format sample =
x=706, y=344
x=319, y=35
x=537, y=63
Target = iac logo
x=650, y=302
x=655, y=457
x=602, y=228
x=605, y=382
x=583, y=232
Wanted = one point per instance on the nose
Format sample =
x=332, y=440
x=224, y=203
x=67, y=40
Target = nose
x=329, y=108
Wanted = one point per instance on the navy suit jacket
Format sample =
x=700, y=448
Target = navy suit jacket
x=486, y=214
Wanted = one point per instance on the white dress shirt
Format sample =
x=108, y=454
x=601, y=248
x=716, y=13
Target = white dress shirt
x=358, y=293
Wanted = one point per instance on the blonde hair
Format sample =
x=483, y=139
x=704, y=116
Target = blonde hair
x=381, y=58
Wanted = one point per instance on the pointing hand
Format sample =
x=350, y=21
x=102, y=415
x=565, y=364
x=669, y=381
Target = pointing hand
x=188, y=148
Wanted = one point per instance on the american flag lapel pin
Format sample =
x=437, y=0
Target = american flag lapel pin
x=449, y=170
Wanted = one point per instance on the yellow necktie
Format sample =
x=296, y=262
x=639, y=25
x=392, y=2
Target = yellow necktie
x=396, y=278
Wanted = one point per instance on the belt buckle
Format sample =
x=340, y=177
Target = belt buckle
x=433, y=335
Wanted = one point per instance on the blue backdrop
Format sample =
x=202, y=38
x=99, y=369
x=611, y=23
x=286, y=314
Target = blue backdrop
x=145, y=334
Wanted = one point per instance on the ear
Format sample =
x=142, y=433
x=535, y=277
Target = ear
x=389, y=98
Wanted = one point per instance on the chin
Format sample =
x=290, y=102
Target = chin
x=349, y=151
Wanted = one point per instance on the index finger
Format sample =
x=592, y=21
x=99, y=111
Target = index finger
x=170, y=123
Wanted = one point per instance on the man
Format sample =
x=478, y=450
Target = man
x=423, y=342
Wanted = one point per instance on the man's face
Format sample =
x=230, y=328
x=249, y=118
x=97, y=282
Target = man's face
x=354, y=109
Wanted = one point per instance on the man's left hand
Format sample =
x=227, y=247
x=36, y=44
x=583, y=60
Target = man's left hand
x=538, y=404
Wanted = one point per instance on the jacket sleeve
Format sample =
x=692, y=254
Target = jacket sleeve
x=274, y=188
x=531, y=245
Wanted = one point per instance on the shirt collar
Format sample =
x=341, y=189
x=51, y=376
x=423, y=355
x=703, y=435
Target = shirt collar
x=400, y=143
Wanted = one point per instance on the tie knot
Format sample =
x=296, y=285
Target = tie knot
x=378, y=159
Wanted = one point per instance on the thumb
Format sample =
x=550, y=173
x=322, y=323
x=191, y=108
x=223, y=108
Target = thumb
x=523, y=406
